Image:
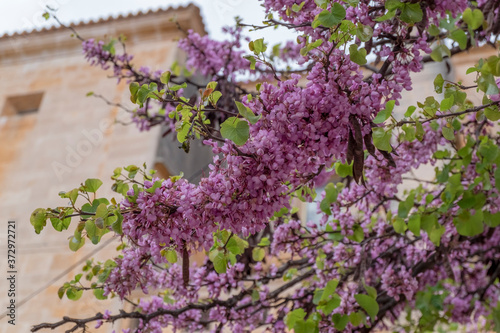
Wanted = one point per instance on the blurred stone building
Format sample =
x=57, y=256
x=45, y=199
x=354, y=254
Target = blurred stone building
x=53, y=137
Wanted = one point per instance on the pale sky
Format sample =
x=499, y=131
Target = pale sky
x=19, y=15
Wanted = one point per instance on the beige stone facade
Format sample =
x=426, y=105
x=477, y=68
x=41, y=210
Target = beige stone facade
x=53, y=137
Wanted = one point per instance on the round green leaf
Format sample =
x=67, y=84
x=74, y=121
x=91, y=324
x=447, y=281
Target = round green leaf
x=258, y=254
x=236, y=130
x=368, y=304
x=92, y=185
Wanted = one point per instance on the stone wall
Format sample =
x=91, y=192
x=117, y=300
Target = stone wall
x=67, y=139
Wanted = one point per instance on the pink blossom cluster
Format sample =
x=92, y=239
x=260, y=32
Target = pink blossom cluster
x=215, y=58
x=96, y=54
x=165, y=217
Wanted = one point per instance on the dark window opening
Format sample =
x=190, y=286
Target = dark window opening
x=22, y=104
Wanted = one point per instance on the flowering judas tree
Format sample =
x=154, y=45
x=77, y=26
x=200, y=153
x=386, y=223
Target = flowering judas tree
x=379, y=258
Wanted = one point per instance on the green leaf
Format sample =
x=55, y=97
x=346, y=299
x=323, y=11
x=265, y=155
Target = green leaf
x=489, y=151
x=399, y=225
x=92, y=185
x=364, y=32
x=236, y=130
x=247, y=113
x=289, y=275
x=264, y=241
x=90, y=228
x=294, y=316
x=329, y=305
x=338, y=12
x=258, y=46
x=497, y=177
x=311, y=46
x=447, y=103
x=340, y=321
x=219, y=261
x=439, y=52
x=343, y=170
x=99, y=294
x=356, y=318
x=331, y=194
x=393, y=4
x=412, y=13
x=429, y=223
x=165, y=77
x=60, y=292
x=142, y=94
x=368, y=304
x=237, y=246
x=409, y=132
x=419, y=133
x=389, y=15
x=448, y=133
x=496, y=317
x=134, y=88
x=492, y=113
x=318, y=293
x=410, y=111
x=473, y=18
x=414, y=224
x=329, y=19
x=329, y=289
x=357, y=56
x=307, y=326
x=372, y=292
x=469, y=225
x=385, y=113
x=102, y=210
x=252, y=60
x=406, y=206
x=72, y=195
x=487, y=83
x=178, y=87
x=171, y=256
x=434, y=30
x=182, y=128
x=382, y=139
x=472, y=200
x=491, y=220
x=438, y=84
x=211, y=85
x=297, y=8
x=38, y=219
x=110, y=47
x=87, y=208
x=460, y=37
x=436, y=234
x=74, y=294
x=215, y=96
x=60, y=225
x=358, y=234
x=258, y=253
x=321, y=3
x=117, y=225
x=75, y=244
x=434, y=125
x=430, y=106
